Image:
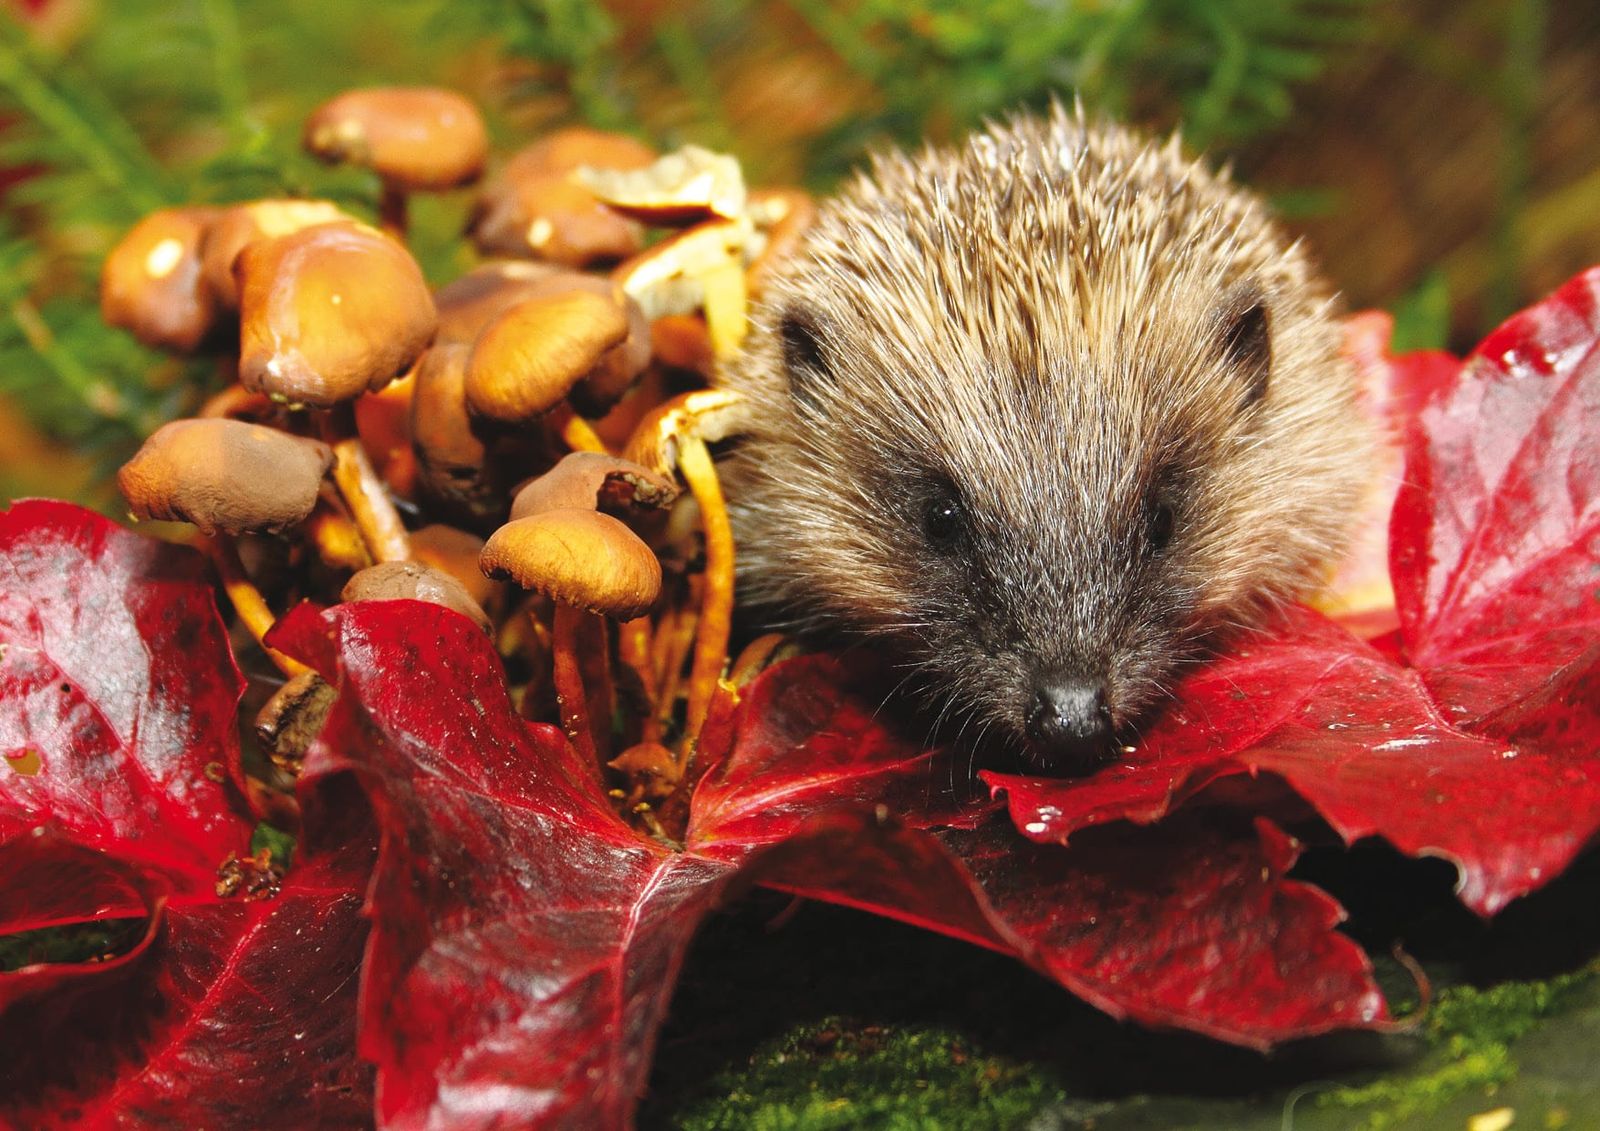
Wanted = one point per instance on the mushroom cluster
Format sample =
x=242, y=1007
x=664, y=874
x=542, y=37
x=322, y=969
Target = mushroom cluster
x=526, y=444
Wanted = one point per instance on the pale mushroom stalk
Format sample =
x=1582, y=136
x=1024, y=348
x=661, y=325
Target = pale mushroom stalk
x=633, y=651
x=576, y=432
x=716, y=609
x=363, y=491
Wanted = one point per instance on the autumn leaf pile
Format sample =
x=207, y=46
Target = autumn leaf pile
x=476, y=930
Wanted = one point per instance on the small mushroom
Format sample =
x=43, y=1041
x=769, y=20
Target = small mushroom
x=228, y=477
x=329, y=312
x=580, y=559
x=586, y=563
x=225, y=475
x=700, y=268
x=240, y=225
x=151, y=283
x=526, y=360
x=674, y=437
x=453, y=461
x=683, y=187
x=414, y=138
x=396, y=581
x=534, y=207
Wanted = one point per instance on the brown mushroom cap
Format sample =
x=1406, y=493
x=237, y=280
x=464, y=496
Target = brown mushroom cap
x=413, y=137
x=242, y=224
x=329, y=312
x=549, y=216
x=580, y=558
x=151, y=283
x=451, y=458
x=398, y=581
x=567, y=150
x=526, y=360
x=682, y=187
x=225, y=475
x=469, y=303
x=594, y=480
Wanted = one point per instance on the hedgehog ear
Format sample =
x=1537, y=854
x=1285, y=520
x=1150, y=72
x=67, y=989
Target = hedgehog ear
x=1244, y=336
x=804, y=358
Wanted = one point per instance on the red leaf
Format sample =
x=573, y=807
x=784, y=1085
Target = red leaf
x=525, y=942
x=1487, y=750
x=120, y=731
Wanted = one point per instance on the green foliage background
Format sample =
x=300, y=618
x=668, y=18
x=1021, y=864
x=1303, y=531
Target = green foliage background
x=122, y=107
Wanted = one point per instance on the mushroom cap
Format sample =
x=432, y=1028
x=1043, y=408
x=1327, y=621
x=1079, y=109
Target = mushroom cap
x=329, y=312
x=413, y=137
x=526, y=360
x=550, y=216
x=225, y=475
x=711, y=414
x=152, y=284
x=580, y=558
x=243, y=224
x=567, y=150
x=593, y=480
x=415, y=581
x=682, y=187
x=670, y=277
x=451, y=458
x=470, y=302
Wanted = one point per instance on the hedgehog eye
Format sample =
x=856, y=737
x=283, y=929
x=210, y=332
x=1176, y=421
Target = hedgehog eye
x=1158, y=526
x=1246, y=340
x=944, y=520
x=803, y=356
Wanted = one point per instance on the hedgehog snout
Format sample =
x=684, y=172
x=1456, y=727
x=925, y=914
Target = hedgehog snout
x=1069, y=725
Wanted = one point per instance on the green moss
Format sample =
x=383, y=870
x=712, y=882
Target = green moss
x=833, y=1074
x=1471, y=1031
x=79, y=942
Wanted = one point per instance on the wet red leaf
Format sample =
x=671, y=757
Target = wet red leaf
x=120, y=737
x=1483, y=744
x=526, y=941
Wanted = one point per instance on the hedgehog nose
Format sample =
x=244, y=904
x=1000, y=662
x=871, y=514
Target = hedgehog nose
x=1069, y=723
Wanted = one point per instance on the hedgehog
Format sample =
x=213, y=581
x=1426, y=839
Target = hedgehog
x=1044, y=417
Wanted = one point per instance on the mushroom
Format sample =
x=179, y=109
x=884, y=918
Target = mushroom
x=534, y=207
x=469, y=303
x=225, y=475
x=414, y=138
x=586, y=563
x=673, y=438
x=228, y=477
x=327, y=313
x=701, y=268
x=683, y=187
x=240, y=225
x=597, y=552
x=151, y=283
x=395, y=581
x=456, y=552
x=525, y=362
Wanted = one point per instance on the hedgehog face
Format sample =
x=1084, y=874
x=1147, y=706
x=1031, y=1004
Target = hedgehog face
x=1042, y=415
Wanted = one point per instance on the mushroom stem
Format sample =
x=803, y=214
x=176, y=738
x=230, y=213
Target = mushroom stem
x=576, y=432
x=370, y=506
x=339, y=544
x=247, y=600
x=392, y=211
x=725, y=308
x=633, y=650
x=716, y=608
x=568, y=678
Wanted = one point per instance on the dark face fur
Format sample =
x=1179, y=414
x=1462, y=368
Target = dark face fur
x=1041, y=476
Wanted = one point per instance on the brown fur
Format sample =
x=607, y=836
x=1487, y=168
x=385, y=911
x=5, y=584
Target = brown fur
x=1037, y=319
